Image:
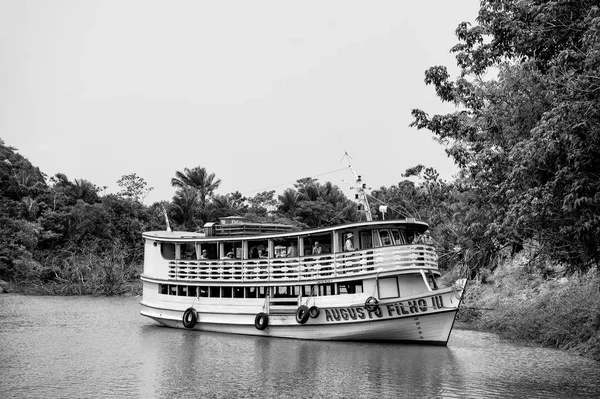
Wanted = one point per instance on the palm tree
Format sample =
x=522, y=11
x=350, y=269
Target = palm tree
x=185, y=203
x=288, y=202
x=198, y=179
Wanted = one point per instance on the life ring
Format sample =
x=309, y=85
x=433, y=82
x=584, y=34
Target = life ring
x=302, y=314
x=314, y=311
x=189, y=318
x=261, y=321
x=371, y=304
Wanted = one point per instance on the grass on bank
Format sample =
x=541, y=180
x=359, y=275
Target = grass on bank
x=521, y=304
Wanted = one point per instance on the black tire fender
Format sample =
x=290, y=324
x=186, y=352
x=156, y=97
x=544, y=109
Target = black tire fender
x=302, y=314
x=261, y=321
x=190, y=318
x=371, y=304
x=314, y=311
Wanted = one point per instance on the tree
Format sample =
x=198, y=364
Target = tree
x=527, y=142
x=133, y=187
x=198, y=179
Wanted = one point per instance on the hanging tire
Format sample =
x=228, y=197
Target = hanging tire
x=302, y=314
x=189, y=318
x=261, y=321
x=371, y=304
x=314, y=312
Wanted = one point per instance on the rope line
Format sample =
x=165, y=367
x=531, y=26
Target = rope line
x=291, y=182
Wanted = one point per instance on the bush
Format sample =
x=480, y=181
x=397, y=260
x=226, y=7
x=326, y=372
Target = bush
x=561, y=313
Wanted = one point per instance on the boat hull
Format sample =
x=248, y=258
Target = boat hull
x=425, y=319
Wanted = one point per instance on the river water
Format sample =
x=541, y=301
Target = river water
x=84, y=347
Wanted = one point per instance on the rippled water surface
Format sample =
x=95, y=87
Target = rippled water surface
x=82, y=347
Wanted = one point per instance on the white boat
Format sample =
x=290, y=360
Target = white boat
x=232, y=278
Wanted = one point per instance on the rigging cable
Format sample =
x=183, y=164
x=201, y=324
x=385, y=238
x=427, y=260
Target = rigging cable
x=292, y=182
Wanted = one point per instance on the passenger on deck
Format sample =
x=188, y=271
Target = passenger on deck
x=292, y=251
x=349, y=246
x=253, y=253
x=317, y=250
x=262, y=253
x=204, y=254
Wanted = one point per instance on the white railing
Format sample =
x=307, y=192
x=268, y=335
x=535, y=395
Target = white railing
x=306, y=267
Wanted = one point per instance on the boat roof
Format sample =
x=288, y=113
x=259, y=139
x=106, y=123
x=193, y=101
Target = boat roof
x=417, y=225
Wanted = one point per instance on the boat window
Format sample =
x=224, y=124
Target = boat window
x=167, y=250
x=310, y=290
x=350, y=287
x=163, y=289
x=431, y=280
x=214, y=292
x=251, y=292
x=262, y=292
x=376, y=239
x=238, y=292
x=192, y=290
x=388, y=288
x=172, y=289
x=366, y=240
x=203, y=292
x=182, y=290
x=386, y=239
x=326, y=289
x=226, y=292
x=399, y=237
x=287, y=292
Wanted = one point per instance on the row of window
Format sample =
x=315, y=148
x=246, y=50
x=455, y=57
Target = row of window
x=292, y=291
x=286, y=247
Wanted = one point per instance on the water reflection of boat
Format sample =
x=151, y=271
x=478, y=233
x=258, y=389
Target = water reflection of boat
x=371, y=280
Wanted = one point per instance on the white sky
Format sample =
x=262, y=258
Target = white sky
x=261, y=93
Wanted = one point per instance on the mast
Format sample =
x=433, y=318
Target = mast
x=361, y=194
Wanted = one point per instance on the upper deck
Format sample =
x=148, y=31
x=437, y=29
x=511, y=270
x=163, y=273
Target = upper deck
x=343, y=251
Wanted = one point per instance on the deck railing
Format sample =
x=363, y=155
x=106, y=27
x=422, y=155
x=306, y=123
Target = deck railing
x=306, y=268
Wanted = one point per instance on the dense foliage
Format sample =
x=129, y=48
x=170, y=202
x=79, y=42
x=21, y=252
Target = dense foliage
x=527, y=141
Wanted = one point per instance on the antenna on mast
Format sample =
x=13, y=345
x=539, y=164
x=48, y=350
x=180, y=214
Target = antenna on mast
x=360, y=188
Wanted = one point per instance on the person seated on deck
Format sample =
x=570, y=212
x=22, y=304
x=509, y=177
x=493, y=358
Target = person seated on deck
x=292, y=251
x=317, y=250
x=262, y=253
x=204, y=254
x=230, y=254
x=253, y=254
x=349, y=246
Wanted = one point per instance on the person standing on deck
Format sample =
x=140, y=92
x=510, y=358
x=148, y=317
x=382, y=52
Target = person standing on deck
x=316, y=249
x=349, y=246
x=292, y=251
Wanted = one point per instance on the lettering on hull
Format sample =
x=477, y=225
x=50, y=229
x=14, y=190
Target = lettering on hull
x=390, y=310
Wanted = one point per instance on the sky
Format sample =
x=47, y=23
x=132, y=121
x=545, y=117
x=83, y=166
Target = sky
x=261, y=93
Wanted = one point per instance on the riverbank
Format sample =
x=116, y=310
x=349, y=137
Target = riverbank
x=524, y=304
x=128, y=288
